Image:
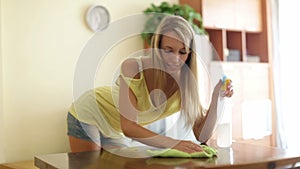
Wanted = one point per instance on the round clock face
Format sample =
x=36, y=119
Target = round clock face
x=97, y=18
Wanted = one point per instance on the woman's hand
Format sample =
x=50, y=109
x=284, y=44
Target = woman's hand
x=228, y=92
x=188, y=146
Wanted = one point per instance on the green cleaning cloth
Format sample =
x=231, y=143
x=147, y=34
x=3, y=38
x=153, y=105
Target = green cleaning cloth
x=207, y=153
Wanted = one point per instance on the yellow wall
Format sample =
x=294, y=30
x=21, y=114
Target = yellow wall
x=40, y=43
x=1, y=90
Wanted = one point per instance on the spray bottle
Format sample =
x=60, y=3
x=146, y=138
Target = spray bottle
x=224, y=130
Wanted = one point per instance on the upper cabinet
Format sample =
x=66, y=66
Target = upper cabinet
x=232, y=14
x=238, y=29
x=248, y=15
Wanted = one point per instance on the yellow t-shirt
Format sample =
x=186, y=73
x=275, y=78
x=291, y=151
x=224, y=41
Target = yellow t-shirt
x=99, y=106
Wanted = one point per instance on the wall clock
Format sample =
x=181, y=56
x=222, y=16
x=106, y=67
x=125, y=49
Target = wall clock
x=97, y=18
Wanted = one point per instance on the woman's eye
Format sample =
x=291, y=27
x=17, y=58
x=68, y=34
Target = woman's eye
x=167, y=51
x=170, y=51
x=182, y=52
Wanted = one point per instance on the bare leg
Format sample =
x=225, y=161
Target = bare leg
x=79, y=145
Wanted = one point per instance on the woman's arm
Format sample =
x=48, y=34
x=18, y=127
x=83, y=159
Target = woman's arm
x=129, y=113
x=204, y=126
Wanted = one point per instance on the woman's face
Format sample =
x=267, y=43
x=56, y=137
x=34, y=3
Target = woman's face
x=173, y=51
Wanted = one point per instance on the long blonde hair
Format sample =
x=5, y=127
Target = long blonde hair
x=191, y=107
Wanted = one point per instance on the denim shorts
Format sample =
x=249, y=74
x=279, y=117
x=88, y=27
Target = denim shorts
x=91, y=133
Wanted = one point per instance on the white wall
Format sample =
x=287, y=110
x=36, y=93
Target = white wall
x=40, y=43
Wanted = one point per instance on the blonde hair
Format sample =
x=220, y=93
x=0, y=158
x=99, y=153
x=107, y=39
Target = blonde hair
x=191, y=107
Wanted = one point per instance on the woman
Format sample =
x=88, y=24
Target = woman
x=149, y=88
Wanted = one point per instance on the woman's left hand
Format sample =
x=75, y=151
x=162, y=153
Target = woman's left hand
x=228, y=92
x=223, y=93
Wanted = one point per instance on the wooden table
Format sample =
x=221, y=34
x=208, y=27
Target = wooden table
x=240, y=155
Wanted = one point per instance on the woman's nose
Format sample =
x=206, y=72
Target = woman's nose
x=176, y=57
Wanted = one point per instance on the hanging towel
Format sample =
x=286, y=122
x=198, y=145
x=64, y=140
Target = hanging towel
x=206, y=153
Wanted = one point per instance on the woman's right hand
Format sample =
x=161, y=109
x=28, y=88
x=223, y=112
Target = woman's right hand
x=188, y=146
